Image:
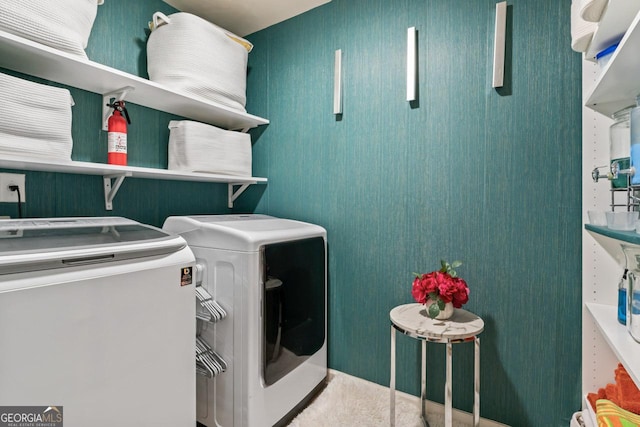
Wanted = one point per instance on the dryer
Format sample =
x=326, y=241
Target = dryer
x=270, y=277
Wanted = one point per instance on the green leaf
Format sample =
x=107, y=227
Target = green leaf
x=433, y=310
x=440, y=304
x=455, y=264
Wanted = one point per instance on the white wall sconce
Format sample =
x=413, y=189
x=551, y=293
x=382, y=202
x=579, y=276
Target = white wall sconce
x=412, y=64
x=499, y=44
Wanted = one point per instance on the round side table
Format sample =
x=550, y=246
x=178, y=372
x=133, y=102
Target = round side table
x=463, y=326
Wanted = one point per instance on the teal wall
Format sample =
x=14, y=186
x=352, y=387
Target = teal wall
x=118, y=39
x=488, y=177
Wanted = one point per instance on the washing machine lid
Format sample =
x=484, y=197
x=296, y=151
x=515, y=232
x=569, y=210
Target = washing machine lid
x=240, y=232
x=45, y=243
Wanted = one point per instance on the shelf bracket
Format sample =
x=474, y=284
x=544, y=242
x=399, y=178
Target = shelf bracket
x=111, y=189
x=119, y=95
x=233, y=195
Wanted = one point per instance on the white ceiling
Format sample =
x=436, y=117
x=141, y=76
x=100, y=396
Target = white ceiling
x=244, y=17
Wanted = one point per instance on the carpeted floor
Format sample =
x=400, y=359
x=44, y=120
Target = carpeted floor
x=351, y=401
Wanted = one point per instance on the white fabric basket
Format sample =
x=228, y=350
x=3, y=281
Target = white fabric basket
x=61, y=24
x=188, y=54
x=36, y=120
x=198, y=147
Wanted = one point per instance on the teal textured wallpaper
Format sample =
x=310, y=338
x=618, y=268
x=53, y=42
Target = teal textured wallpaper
x=118, y=39
x=489, y=177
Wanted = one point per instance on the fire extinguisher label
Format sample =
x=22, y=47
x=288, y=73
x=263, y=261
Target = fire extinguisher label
x=117, y=142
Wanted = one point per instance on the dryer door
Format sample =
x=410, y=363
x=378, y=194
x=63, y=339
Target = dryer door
x=294, y=305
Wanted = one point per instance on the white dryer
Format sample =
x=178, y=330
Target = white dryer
x=97, y=320
x=270, y=276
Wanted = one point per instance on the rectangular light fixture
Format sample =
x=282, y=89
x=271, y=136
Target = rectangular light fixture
x=412, y=71
x=337, y=82
x=499, y=44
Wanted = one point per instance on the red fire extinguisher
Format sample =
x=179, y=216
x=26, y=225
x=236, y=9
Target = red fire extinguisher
x=117, y=134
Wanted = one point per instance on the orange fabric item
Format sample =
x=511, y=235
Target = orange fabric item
x=612, y=393
x=628, y=392
x=624, y=393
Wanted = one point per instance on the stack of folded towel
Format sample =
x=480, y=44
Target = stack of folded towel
x=36, y=120
x=591, y=10
x=621, y=399
x=581, y=29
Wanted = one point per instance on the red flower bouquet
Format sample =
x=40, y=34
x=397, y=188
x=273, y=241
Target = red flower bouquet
x=439, y=288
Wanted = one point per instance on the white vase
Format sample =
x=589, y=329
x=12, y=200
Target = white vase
x=444, y=314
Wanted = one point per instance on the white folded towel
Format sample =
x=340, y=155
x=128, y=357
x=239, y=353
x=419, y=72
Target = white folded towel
x=581, y=30
x=591, y=10
x=36, y=120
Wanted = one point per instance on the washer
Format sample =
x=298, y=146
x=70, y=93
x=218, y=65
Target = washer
x=96, y=319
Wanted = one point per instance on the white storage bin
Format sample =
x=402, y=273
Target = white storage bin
x=198, y=147
x=62, y=24
x=188, y=54
x=36, y=120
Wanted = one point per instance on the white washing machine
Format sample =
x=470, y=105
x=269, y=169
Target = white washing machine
x=270, y=276
x=97, y=320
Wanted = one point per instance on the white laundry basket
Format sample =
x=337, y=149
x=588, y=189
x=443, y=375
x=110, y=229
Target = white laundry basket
x=198, y=147
x=36, y=120
x=188, y=54
x=62, y=24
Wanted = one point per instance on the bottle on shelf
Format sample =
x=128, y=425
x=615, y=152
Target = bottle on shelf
x=632, y=257
x=622, y=298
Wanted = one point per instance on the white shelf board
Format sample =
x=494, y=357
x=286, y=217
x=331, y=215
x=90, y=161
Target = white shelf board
x=28, y=57
x=618, y=338
x=616, y=19
x=246, y=16
x=99, y=169
x=618, y=84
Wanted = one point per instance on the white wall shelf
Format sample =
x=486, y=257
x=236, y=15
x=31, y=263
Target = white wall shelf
x=618, y=83
x=28, y=57
x=616, y=19
x=625, y=348
x=605, y=342
x=118, y=173
x=619, y=339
